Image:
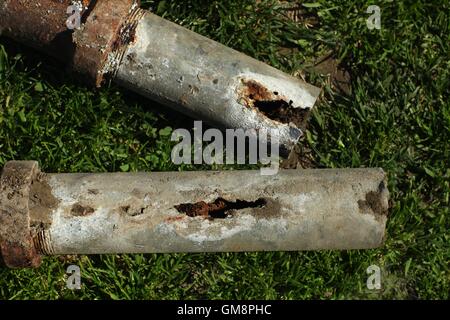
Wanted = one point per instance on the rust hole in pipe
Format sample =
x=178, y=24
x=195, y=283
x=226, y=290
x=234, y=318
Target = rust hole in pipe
x=282, y=112
x=219, y=209
x=272, y=104
x=79, y=210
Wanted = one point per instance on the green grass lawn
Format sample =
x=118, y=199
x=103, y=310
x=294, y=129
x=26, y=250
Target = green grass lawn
x=394, y=113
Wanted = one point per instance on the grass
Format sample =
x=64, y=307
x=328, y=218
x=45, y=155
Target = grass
x=397, y=116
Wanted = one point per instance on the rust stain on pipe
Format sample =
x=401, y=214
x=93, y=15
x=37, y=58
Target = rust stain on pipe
x=79, y=210
x=108, y=30
x=107, y=27
x=375, y=202
x=22, y=214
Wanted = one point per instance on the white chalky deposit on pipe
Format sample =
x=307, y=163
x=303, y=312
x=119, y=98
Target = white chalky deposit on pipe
x=69, y=231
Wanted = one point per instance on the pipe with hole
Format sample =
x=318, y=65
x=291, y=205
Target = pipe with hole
x=166, y=63
x=165, y=212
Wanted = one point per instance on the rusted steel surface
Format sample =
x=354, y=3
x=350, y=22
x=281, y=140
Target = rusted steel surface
x=190, y=212
x=40, y=24
x=108, y=29
x=16, y=239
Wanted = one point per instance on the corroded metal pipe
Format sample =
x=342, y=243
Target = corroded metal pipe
x=46, y=214
x=165, y=62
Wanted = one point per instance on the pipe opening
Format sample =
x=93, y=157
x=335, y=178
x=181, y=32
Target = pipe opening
x=219, y=209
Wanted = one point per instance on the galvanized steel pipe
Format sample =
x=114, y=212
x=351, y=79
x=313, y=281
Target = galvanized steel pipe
x=167, y=63
x=46, y=214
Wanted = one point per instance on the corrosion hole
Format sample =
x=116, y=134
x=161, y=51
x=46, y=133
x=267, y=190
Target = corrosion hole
x=79, y=210
x=219, y=209
x=272, y=104
x=281, y=111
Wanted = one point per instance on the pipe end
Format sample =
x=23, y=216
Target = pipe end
x=16, y=240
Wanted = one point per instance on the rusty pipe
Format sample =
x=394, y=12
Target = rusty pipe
x=166, y=63
x=47, y=214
